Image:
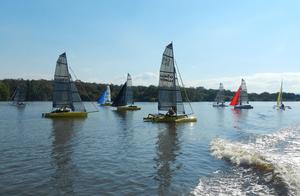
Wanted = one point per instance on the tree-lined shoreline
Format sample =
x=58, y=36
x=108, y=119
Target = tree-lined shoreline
x=41, y=90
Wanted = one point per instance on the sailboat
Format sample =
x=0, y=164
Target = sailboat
x=124, y=99
x=280, y=105
x=105, y=98
x=18, y=97
x=240, y=99
x=169, y=94
x=220, y=98
x=66, y=100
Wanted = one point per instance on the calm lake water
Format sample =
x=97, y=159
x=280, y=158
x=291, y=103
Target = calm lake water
x=111, y=153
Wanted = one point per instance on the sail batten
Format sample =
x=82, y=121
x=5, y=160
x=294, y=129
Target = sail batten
x=169, y=94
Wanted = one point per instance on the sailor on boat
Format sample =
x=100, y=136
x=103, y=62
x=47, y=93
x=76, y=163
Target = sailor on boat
x=282, y=107
x=62, y=109
x=171, y=111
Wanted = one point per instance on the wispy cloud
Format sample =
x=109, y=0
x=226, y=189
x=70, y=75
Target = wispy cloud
x=259, y=82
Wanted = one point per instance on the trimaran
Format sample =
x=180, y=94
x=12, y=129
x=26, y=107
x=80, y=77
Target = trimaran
x=169, y=94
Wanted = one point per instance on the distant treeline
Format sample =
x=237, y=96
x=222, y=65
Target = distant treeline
x=41, y=90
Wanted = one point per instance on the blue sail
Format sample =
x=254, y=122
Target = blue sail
x=102, y=98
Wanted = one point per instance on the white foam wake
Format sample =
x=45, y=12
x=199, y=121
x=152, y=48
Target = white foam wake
x=277, y=155
x=239, y=154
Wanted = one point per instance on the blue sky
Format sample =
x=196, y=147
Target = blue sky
x=214, y=41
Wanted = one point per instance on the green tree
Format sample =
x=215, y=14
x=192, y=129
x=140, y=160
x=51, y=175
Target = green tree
x=4, y=92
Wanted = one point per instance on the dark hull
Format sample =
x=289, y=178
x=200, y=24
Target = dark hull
x=243, y=107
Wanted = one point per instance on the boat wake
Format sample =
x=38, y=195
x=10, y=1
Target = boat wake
x=267, y=165
x=239, y=154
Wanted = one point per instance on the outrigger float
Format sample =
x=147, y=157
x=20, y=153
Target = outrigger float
x=66, y=100
x=240, y=99
x=124, y=100
x=220, y=98
x=169, y=94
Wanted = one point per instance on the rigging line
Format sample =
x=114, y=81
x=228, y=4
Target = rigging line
x=184, y=87
x=84, y=89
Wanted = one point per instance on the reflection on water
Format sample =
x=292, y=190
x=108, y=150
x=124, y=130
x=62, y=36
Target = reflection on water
x=239, y=116
x=124, y=119
x=220, y=116
x=123, y=114
x=64, y=130
x=167, y=147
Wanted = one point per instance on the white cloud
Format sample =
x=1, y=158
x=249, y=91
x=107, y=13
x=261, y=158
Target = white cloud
x=144, y=79
x=259, y=82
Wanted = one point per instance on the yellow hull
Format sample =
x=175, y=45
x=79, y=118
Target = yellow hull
x=65, y=115
x=128, y=108
x=170, y=119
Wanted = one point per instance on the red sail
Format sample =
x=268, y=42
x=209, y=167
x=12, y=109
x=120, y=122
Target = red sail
x=235, y=99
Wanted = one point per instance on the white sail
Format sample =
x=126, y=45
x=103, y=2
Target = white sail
x=108, y=94
x=243, y=100
x=169, y=95
x=220, y=98
x=129, y=92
